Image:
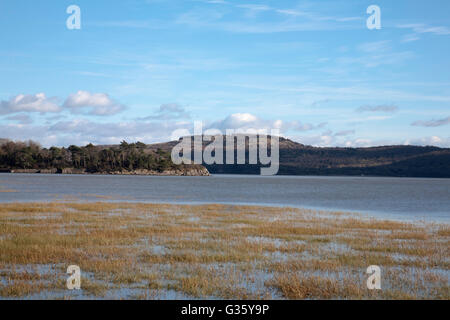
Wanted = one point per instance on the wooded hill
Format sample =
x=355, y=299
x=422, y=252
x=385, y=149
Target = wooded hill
x=295, y=159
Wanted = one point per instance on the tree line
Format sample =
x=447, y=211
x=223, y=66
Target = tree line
x=126, y=156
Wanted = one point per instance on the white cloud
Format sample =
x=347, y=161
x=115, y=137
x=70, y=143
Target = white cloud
x=99, y=104
x=339, y=139
x=82, y=132
x=247, y=121
x=358, y=143
x=243, y=121
x=321, y=140
x=342, y=139
x=430, y=141
x=29, y=103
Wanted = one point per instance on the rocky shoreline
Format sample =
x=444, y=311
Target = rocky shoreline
x=186, y=171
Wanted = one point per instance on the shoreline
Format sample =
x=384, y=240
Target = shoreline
x=162, y=251
x=194, y=171
x=244, y=175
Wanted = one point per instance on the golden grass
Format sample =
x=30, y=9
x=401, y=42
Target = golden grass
x=216, y=251
x=294, y=286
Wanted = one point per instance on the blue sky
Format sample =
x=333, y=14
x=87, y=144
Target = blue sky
x=137, y=70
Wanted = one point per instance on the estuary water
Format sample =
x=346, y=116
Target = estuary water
x=394, y=198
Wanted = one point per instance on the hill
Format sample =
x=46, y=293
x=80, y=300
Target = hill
x=299, y=159
x=295, y=159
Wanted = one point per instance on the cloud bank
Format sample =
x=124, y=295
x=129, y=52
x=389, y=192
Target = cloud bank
x=98, y=104
x=29, y=103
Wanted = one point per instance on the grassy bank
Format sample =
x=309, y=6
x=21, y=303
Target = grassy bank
x=149, y=251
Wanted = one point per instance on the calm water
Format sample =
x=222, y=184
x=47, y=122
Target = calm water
x=396, y=198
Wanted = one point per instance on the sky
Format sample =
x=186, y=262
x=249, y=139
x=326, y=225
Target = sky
x=138, y=70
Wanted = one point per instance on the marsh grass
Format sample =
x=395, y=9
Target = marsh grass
x=151, y=251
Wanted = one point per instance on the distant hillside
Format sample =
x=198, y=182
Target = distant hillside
x=295, y=159
x=299, y=159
